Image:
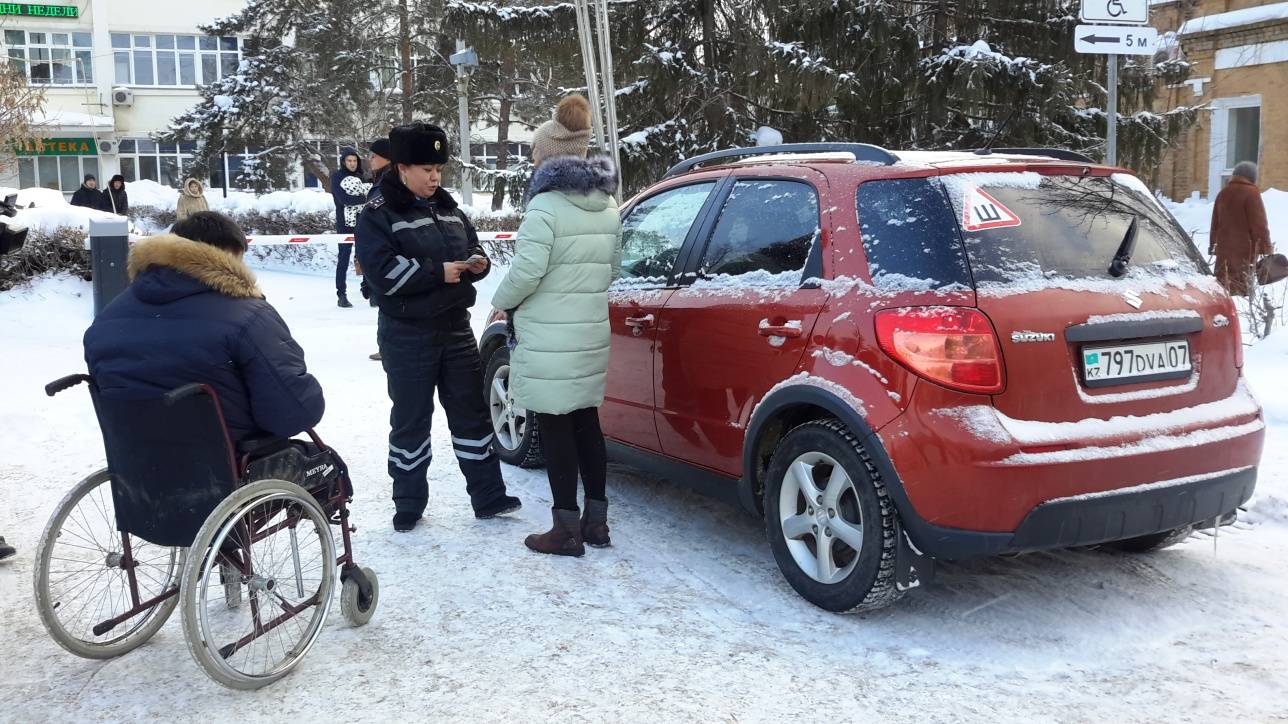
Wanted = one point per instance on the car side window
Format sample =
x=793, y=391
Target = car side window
x=766, y=226
x=654, y=232
x=910, y=236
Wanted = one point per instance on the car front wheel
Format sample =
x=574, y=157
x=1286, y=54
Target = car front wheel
x=518, y=441
x=831, y=526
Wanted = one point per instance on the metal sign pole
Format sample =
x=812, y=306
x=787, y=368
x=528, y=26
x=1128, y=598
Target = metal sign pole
x=588, y=62
x=610, y=90
x=1111, y=134
x=463, y=108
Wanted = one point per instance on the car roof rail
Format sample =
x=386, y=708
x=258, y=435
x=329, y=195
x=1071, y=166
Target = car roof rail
x=860, y=151
x=1061, y=153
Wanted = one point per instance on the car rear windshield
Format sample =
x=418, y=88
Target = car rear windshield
x=1025, y=225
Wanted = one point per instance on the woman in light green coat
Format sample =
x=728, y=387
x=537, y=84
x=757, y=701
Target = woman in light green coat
x=556, y=294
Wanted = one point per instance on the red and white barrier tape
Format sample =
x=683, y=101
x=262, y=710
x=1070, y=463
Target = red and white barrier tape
x=286, y=239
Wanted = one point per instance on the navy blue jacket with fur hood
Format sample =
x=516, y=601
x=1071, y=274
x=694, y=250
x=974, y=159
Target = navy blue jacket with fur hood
x=193, y=313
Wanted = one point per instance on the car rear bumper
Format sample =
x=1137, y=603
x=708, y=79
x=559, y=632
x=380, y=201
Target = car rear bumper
x=1133, y=512
x=965, y=491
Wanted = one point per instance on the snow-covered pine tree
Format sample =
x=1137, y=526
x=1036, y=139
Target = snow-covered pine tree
x=525, y=66
x=989, y=61
x=328, y=69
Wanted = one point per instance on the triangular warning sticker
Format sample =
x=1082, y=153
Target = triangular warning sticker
x=981, y=211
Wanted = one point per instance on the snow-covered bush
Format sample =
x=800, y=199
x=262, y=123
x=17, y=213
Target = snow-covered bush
x=60, y=250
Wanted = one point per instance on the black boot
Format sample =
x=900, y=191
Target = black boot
x=342, y=301
x=405, y=521
x=501, y=506
x=6, y=550
x=563, y=538
x=594, y=524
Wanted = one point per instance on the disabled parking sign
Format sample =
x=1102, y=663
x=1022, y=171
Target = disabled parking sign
x=981, y=211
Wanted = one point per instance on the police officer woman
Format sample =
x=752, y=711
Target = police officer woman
x=422, y=255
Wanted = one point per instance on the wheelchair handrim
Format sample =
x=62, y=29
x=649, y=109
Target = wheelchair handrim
x=210, y=567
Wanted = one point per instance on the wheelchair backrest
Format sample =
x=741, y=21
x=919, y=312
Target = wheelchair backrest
x=171, y=463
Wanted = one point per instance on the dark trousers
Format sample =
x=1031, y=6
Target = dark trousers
x=417, y=362
x=342, y=269
x=574, y=443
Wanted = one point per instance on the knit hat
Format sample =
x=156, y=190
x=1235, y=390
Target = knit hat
x=381, y=147
x=418, y=143
x=567, y=134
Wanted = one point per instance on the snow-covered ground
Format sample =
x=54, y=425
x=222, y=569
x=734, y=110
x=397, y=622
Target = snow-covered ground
x=686, y=618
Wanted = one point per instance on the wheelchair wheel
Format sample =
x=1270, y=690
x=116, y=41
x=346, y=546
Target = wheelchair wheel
x=277, y=540
x=82, y=581
x=359, y=609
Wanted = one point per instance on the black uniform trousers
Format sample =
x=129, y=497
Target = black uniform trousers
x=417, y=361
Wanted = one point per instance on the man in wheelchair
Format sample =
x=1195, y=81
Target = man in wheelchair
x=193, y=313
x=205, y=502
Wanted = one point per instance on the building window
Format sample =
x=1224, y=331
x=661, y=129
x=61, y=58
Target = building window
x=173, y=61
x=51, y=58
x=166, y=163
x=485, y=155
x=63, y=173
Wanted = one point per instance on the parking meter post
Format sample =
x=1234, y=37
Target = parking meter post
x=109, y=249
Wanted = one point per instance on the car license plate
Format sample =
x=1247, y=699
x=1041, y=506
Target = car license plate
x=1132, y=363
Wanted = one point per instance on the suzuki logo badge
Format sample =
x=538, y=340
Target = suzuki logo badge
x=1022, y=337
x=1133, y=299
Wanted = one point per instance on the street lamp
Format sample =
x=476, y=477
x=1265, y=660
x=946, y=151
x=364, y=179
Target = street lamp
x=465, y=60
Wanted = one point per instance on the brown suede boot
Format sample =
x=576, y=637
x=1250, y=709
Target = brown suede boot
x=563, y=538
x=594, y=524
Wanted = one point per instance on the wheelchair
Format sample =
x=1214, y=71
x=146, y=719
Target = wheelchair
x=238, y=537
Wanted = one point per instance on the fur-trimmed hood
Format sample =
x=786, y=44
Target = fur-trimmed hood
x=576, y=177
x=207, y=265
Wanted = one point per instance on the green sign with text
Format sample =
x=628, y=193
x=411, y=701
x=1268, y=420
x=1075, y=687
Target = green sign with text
x=40, y=11
x=57, y=147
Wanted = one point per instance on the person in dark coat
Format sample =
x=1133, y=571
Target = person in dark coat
x=6, y=550
x=348, y=188
x=1240, y=234
x=193, y=313
x=88, y=194
x=115, y=199
x=378, y=163
x=421, y=254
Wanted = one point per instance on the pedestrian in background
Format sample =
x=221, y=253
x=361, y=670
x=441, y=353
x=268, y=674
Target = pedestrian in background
x=1240, y=234
x=556, y=293
x=88, y=194
x=379, y=163
x=115, y=199
x=191, y=200
x=349, y=195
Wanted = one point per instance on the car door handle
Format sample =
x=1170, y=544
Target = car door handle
x=781, y=331
x=640, y=322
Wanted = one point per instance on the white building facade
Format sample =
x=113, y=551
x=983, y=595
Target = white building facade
x=115, y=72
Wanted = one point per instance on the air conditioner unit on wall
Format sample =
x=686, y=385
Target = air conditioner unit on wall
x=122, y=97
x=108, y=146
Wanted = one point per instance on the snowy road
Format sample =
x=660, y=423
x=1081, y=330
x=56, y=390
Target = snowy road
x=686, y=618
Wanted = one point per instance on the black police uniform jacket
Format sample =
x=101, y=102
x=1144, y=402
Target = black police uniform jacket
x=403, y=242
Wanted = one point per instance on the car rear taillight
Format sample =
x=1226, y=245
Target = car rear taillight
x=952, y=346
x=1232, y=314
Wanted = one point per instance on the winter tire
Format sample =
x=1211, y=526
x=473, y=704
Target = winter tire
x=518, y=442
x=299, y=543
x=1153, y=542
x=77, y=585
x=831, y=526
x=357, y=609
